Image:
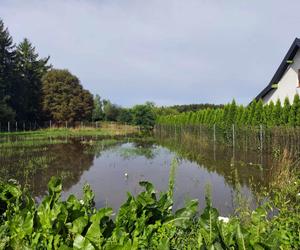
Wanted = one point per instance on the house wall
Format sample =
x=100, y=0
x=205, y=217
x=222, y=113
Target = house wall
x=288, y=85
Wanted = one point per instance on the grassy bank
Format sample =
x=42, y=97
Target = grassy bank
x=106, y=129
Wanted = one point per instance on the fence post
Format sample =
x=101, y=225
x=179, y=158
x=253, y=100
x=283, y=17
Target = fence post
x=16, y=126
x=66, y=125
x=8, y=126
x=261, y=137
x=50, y=124
x=214, y=132
x=233, y=136
x=24, y=126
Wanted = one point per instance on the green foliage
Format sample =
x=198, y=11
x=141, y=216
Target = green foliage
x=125, y=116
x=142, y=222
x=64, y=99
x=111, y=111
x=27, y=93
x=23, y=96
x=98, y=114
x=7, y=73
x=256, y=113
x=144, y=116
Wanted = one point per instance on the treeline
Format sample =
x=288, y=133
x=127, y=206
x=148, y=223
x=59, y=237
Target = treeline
x=256, y=113
x=31, y=90
x=194, y=107
x=142, y=115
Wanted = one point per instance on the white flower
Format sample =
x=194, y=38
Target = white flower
x=223, y=219
x=81, y=202
x=170, y=207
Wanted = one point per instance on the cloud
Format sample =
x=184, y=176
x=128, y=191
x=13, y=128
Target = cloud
x=169, y=51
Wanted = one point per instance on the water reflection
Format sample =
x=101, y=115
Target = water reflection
x=113, y=167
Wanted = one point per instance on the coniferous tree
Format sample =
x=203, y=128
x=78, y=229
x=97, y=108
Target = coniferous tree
x=7, y=73
x=285, y=111
x=27, y=92
x=277, y=113
x=231, y=113
x=258, y=114
x=268, y=110
x=252, y=108
x=293, y=111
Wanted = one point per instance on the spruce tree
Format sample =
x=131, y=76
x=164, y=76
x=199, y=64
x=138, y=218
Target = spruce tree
x=294, y=112
x=27, y=92
x=7, y=73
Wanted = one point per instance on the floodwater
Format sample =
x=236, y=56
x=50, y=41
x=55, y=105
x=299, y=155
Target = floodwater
x=114, y=167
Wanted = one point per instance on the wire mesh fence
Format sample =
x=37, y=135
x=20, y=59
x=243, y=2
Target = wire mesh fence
x=32, y=126
x=258, y=138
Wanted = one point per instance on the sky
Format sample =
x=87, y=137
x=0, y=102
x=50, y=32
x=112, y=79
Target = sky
x=165, y=51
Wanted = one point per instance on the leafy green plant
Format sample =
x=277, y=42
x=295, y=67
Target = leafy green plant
x=142, y=222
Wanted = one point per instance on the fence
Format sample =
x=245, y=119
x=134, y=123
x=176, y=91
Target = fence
x=259, y=138
x=31, y=126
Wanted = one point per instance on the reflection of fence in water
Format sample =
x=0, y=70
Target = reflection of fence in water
x=260, y=138
x=253, y=153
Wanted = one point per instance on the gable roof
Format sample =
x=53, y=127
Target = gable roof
x=281, y=69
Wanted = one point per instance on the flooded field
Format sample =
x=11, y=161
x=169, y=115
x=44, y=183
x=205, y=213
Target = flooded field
x=114, y=167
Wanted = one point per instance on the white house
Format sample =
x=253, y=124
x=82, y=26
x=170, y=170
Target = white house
x=286, y=81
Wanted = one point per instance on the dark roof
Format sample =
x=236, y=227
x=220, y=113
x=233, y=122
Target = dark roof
x=282, y=68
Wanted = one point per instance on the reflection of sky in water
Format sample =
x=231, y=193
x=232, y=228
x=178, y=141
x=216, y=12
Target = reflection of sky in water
x=107, y=178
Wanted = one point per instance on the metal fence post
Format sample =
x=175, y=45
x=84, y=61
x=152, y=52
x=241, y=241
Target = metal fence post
x=233, y=136
x=261, y=137
x=214, y=132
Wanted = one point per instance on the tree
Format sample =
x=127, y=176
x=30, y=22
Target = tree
x=125, y=116
x=258, y=113
x=26, y=97
x=277, y=113
x=294, y=119
x=143, y=116
x=111, y=111
x=98, y=114
x=64, y=99
x=285, y=111
x=7, y=73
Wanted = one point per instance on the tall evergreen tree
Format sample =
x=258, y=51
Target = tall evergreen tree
x=258, y=114
x=277, y=113
x=285, y=111
x=250, y=115
x=268, y=110
x=293, y=111
x=27, y=93
x=7, y=79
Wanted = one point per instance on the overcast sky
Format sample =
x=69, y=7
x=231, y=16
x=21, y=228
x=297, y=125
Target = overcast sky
x=165, y=51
